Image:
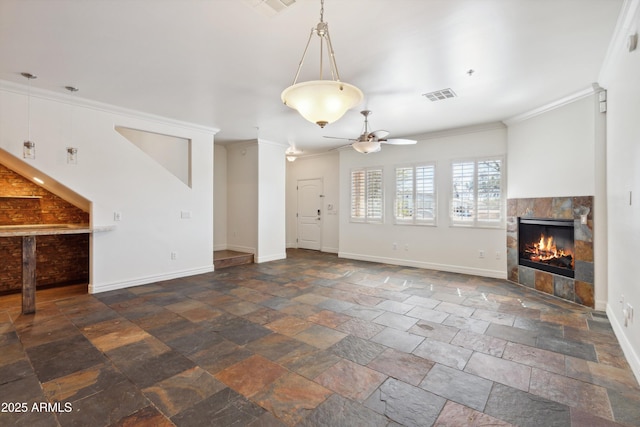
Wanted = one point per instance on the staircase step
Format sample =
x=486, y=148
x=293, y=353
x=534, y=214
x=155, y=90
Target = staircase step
x=226, y=258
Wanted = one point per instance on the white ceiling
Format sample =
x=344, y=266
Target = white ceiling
x=223, y=64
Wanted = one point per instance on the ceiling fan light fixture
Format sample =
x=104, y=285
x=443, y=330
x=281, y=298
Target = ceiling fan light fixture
x=321, y=101
x=366, y=147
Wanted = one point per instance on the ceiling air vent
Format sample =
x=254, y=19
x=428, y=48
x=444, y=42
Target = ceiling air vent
x=269, y=7
x=440, y=95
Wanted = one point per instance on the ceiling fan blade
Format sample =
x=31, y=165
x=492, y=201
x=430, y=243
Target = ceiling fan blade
x=379, y=134
x=398, y=141
x=340, y=147
x=337, y=137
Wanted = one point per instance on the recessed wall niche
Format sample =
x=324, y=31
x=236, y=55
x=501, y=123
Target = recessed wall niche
x=171, y=152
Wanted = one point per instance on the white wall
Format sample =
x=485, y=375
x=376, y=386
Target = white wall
x=256, y=199
x=118, y=177
x=620, y=78
x=220, y=198
x=271, y=202
x=441, y=247
x=242, y=197
x=327, y=168
x=552, y=154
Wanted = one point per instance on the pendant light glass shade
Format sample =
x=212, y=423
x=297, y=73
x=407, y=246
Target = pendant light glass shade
x=322, y=101
x=366, y=147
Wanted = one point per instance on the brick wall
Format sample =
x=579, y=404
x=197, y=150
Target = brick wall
x=48, y=209
x=61, y=259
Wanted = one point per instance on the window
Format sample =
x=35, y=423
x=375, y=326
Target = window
x=415, y=194
x=477, y=196
x=366, y=195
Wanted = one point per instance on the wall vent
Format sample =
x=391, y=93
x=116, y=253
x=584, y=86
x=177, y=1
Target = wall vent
x=440, y=95
x=269, y=7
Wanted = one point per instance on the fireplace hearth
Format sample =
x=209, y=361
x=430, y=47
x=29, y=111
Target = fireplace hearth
x=547, y=245
x=550, y=246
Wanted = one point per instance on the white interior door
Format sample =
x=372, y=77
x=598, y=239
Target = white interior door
x=310, y=213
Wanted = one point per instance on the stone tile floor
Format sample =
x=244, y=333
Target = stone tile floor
x=313, y=341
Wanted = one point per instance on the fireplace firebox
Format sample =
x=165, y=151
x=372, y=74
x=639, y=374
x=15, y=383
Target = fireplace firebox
x=547, y=245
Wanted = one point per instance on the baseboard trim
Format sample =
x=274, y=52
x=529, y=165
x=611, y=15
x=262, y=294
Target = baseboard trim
x=495, y=274
x=220, y=247
x=329, y=250
x=629, y=352
x=275, y=257
x=95, y=289
x=600, y=305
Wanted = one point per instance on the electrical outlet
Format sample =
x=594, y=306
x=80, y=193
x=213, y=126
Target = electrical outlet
x=395, y=246
x=480, y=254
x=117, y=216
x=498, y=255
x=174, y=256
x=630, y=312
x=185, y=214
x=406, y=247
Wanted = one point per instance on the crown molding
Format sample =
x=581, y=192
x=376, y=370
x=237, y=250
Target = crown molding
x=269, y=142
x=330, y=152
x=99, y=106
x=483, y=127
x=553, y=105
x=624, y=27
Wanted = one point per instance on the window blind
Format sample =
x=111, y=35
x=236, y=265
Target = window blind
x=477, y=197
x=415, y=194
x=367, y=195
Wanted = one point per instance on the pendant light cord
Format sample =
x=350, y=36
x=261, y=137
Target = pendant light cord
x=29, y=110
x=29, y=77
x=322, y=30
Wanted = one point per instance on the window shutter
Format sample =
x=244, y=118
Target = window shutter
x=425, y=195
x=477, y=197
x=367, y=195
x=358, y=195
x=463, y=197
x=374, y=194
x=489, y=190
x=404, y=193
x=415, y=201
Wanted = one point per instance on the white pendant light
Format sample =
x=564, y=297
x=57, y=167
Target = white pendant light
x=28, y=146
x=72, y=152
x=321, y=101
x=292, y=154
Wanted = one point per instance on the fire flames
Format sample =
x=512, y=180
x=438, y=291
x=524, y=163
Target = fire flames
x=545, y=251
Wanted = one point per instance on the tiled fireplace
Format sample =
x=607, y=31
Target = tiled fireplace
x=550, y=246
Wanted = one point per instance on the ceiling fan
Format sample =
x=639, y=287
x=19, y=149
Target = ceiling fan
x=369, y=142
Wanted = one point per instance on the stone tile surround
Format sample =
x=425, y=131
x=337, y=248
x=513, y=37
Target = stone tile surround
x=579, y=289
